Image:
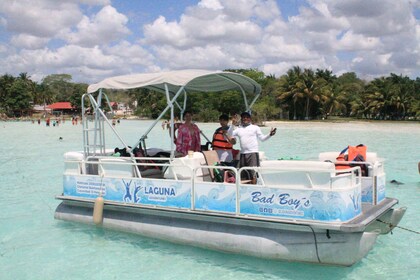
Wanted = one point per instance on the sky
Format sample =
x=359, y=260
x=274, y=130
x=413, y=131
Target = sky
x=95, y=39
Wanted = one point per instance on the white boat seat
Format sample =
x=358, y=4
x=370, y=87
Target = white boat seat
x=295, y=173
x=183, y=167
x=116, y=167
x=76, y=166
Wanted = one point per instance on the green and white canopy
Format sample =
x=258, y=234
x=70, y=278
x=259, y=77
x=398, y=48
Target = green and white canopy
x=191, y=80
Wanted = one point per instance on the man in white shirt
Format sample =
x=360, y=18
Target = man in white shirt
x=248, y=135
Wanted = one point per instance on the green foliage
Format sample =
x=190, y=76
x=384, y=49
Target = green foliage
x=300, y=94
x=266, y=109
x=18, y=101
x=149, y=104
x=58, y=87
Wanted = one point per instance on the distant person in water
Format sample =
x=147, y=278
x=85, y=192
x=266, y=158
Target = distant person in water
x=188, y=138
x=396, y=182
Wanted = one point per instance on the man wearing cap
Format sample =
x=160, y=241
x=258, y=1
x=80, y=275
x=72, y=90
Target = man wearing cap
x=248, y=135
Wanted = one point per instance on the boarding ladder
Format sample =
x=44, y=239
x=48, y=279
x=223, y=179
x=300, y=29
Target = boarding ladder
x=93, y=125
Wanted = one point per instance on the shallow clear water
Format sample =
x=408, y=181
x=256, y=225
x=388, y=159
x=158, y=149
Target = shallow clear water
x=35, y=246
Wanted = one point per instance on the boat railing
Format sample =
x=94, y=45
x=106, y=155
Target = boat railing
x=274, y=181
x=287, y=176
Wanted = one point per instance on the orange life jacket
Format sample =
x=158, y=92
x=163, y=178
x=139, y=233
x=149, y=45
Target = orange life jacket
x=357, y=151
x=219, y=142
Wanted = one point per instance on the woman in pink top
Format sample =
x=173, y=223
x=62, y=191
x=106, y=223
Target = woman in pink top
x=188, y=136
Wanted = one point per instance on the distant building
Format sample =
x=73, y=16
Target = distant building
x=60, y=108
x=41, y=109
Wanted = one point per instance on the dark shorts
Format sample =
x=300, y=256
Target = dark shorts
x=252, y=159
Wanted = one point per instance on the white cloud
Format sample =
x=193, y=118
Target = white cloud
x=370, y=64
x=95, y=39
x=353, y=42
x=84, y=64
x=281, y=67
x=375, y=17
x=243, y=10
x=67, y=56
x=317, y=19
x=275, y=47
x=359, y=8
x=209, y=57
x=375, y=29
x=106, y=26
x=129, y=54
x=212, y=22
x=45, y=19
x=28, y=41
x=162, y=32
x=267, y=10
x=210, y=4
x=213, y=34
x=93, y=2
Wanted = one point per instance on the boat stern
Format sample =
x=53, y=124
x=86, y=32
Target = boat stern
x=387, y=221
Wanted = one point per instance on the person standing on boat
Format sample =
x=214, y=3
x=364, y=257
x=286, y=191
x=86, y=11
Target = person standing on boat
x=220, y=142
x=188, y=136
x=248, y=135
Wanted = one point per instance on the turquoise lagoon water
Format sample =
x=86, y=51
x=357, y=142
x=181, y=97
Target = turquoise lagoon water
x=35, y=246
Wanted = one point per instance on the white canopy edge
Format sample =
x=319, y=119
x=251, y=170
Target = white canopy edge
x=191, y=79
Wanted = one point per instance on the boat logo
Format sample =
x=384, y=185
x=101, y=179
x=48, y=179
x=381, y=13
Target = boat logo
x=131, y=195
x=284, y=199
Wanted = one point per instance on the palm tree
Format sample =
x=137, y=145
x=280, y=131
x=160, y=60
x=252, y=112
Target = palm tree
x=335, y=103
x=350, y=89
x=288, y=90
x=313, y=89
x=401, y=95
x=376, y=97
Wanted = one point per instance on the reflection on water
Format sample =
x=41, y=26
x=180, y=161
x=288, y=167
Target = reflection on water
x=35, y=246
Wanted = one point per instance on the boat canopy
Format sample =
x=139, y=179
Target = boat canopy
x=190, y=80
x=173, y=84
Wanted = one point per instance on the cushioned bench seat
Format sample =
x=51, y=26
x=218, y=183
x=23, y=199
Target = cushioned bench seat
x=292, y=173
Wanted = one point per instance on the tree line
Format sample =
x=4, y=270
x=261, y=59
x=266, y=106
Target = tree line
x=300, y=94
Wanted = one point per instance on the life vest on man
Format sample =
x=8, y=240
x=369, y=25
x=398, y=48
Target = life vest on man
x=219, y=141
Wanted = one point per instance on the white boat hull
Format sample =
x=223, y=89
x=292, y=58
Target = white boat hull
x=263, y=239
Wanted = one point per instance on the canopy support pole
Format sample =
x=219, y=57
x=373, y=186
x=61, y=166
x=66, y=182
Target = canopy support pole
x=169, y=106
